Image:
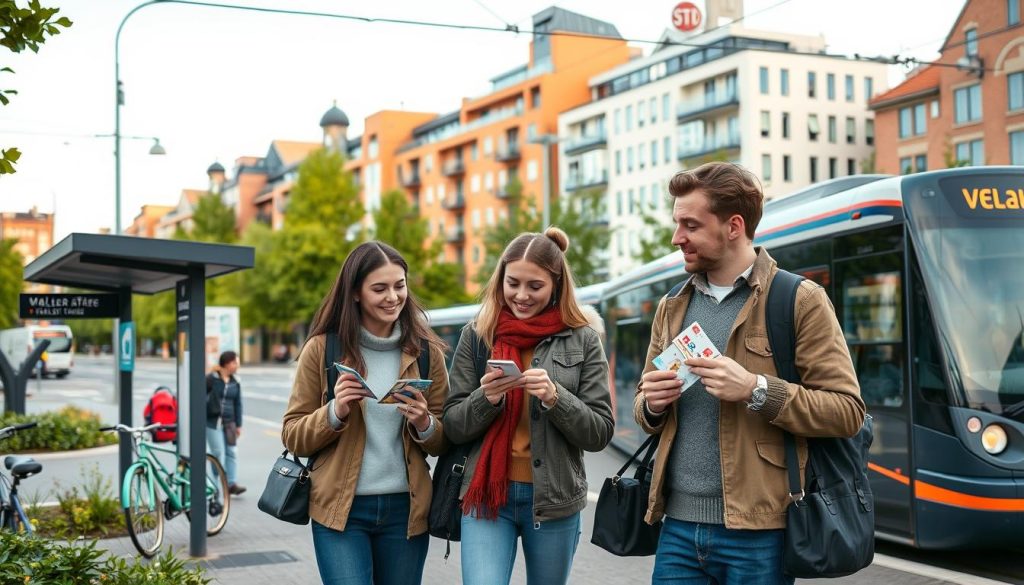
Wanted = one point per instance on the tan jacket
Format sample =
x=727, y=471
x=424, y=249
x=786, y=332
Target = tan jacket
x=306, y=431
x=827, y=404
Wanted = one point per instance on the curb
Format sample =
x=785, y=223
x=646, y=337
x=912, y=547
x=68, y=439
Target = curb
x=54, y=455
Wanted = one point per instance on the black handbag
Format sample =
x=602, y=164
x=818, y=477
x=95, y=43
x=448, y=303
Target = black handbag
x=619, y=525
x=830, y=524
x=286, y=495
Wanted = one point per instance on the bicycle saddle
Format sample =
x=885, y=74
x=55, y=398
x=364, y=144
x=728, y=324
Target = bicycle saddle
x=21, y=466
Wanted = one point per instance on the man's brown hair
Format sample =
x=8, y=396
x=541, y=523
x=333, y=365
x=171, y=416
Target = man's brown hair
x=730, y=188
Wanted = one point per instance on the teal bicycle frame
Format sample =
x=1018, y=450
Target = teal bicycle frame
x=179, y=479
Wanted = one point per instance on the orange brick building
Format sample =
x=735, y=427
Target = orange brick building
x=456, y=167
x=33, y=231
x=145, y=223
x=968, y=107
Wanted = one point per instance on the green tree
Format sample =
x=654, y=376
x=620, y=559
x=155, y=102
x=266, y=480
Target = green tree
x=23, y=28
x=656, y=236
x=398, y=223
x=213, y=221
x=11, y=273
x=582, y=217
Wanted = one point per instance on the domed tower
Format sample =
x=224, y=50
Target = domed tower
x=335, y=125
x=216, y=174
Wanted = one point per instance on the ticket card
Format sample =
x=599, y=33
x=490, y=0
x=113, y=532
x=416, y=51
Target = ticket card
x=692, y=342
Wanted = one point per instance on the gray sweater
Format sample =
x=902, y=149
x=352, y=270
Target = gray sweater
x=695, y=466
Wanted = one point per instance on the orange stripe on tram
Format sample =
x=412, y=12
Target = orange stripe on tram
x=934, y=493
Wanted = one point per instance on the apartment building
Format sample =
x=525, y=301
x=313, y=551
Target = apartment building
x=775, y=103
x=457, y=167
x=967, y=107
x=145, y=223
x=33, y=231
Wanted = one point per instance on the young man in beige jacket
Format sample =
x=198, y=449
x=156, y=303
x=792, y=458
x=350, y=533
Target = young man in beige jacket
x=720, y=473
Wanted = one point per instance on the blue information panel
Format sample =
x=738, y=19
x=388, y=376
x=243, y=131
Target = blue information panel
x=126, y=346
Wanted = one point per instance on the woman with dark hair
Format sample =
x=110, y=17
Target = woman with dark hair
x=370, y=480
x=524, y=477
x=224, y=416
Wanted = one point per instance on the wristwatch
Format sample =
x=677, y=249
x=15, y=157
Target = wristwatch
x=759, y=395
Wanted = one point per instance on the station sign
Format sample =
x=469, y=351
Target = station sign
x=68, y=306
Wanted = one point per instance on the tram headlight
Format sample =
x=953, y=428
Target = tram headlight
x=993, y=439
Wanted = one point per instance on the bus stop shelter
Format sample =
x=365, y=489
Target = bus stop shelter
x=123, y=265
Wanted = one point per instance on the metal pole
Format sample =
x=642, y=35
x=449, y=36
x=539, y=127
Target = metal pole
x=197, y=408
x=123, y=388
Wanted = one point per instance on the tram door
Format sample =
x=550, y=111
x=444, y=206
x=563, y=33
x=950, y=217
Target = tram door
x=868, y=296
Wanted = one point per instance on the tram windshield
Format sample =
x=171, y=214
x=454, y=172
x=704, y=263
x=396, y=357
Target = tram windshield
x=968, y=231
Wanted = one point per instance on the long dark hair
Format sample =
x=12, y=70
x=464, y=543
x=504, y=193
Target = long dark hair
x=338, y=312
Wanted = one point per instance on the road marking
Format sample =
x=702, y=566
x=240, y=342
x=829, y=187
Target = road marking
x=931, y=572
x=267, y=397
x=83, y=453
x=263, y=421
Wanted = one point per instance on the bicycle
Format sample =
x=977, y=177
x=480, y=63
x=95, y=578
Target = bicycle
x=144, y=512
x=12, y=513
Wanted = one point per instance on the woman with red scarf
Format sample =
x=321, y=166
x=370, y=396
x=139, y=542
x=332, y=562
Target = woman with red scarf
x=524, y=477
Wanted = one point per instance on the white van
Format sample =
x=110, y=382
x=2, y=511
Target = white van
x=57, y=359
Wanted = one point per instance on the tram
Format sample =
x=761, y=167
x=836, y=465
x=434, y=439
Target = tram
x=926, y=274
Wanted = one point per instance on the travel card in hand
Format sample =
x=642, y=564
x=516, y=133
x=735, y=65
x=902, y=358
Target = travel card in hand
x=692, y=342
x=343, y=369
x=405, y=388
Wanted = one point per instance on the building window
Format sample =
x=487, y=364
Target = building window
x=785, y=124
x=1012, y=13
x=535, y=98
x=849, y=88
x=667, y=149
x=851, y=130
x=766, y=166
x=832, y=129
x=629, y=159
x=971, y=42
x=833, y=164
x=629, y=118
x=784, y=81
x=764, y=80
x=869, y=88
x=971, y=152
x=921, y=162
x=665, y=106
x=787, y=168
x=935, y=109
x=1017, y=148
x=830, y=86
x=766, y=123
x=654, y=153
x=631, y=202
x=618, y=202
x=618, y=120
x=967, y=104
x=643, y=197
x=814, y=169
x=618, y=162
x=851, y=166
x=641, y=113
x=1015, y=90
x=654, y=110
x=869, y=132
x=812, y=84
x=641, y=155
x=913, y=121
x=813, y=128
x=906, y=165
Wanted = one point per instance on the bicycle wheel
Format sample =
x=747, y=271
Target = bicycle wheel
x=218, y=501
x=144, y=514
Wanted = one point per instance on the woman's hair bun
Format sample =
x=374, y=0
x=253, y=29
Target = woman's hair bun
x=559, y=237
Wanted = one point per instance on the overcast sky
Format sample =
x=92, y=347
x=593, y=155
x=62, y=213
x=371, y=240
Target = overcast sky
x=215, y=84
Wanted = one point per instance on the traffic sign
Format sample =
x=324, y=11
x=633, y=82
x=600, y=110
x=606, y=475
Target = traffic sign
x=686, y=16
x=126, y=346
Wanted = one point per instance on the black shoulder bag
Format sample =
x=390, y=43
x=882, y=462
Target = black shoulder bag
x=445, y=518
x=619, y=525
x=830, y=524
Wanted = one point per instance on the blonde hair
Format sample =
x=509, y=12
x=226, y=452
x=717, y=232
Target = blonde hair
x=547, y=251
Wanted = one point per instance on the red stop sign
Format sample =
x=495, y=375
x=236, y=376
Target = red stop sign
x=686, y=16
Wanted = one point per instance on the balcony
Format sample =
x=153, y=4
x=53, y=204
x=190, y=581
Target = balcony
x=456, y=235
x=411, y=180
x=578, y=181
x=709, y=145
x=454, y=203
x=453, y=167
x=508, y=152
x=704, y=106
x=503, y=191
x=582, y=144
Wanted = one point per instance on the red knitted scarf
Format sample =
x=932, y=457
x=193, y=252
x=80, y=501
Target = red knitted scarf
x=488, y=490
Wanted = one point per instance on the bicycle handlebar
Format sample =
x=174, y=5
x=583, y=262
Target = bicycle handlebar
x=8, y=431
x=123, y=428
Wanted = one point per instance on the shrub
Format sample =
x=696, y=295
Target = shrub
x=65, y=430
x=89, y=510
x=30, y=559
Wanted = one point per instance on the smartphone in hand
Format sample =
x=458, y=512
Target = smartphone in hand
x=343, y=369
x=405, y=387
x=509, y=367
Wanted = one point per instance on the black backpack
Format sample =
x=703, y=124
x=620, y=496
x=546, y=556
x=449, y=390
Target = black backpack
x=830, y=524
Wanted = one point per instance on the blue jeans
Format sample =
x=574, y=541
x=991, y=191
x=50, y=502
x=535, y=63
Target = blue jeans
x=489, y=546
x=706, y=554
x=218, y=448
x=373, y=548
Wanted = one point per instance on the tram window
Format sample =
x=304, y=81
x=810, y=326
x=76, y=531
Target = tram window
x=872, y=306
x=883, y=240
x=792, y=258
x=880, y=373
x=928, y=372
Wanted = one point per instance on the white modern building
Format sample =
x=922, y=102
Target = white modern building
x=775, y=103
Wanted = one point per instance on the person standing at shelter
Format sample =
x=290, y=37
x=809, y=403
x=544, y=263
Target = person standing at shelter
x=224, y=416
x=371, y=488
x=524, y=477
x=720, y=473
